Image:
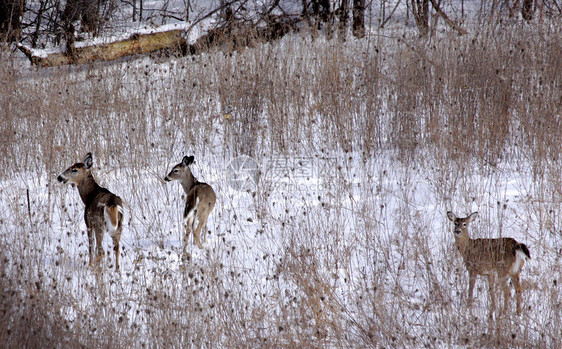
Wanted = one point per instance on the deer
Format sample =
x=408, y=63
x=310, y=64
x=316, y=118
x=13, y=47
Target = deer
x=200, y=200
x=488, y=257
x=103, y=209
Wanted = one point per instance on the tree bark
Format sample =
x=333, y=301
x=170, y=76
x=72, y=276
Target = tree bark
x=359, y=18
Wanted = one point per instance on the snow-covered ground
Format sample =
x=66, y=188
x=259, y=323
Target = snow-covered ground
x=352, y=223
x=325, y=246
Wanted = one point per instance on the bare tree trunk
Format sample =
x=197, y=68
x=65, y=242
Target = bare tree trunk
x=305, y=13
x=187, y=10
x=321, y=9
x=359, y=18
x=527, y=10
x=420, y=10
x=85, y=10
x=342, y=15
x=10, y=14
x=38, y=21
x=316, y=12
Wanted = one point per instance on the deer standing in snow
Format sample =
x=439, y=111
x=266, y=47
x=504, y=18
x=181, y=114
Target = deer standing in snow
x=200, y=201
x=502, y=256
x=103, y=212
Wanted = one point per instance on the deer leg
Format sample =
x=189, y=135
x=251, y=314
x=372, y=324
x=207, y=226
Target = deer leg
x=205, y=232
x=196, y=235
x=204, y=214
x=492, y=289
x=91, y=247
x=506, y=293
x=99, y=241
x=517, y=286
x=116, y=238
x=471, y=281
x=188, y=230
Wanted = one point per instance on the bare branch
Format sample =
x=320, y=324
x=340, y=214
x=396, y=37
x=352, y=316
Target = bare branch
x=447, y=20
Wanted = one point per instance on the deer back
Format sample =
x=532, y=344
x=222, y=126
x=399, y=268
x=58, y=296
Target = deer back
x=105, y=208
x=201, y=195
x=485, y=255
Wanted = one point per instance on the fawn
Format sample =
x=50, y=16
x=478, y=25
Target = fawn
x=502, y=256
x=104, y=210
x=200, y=201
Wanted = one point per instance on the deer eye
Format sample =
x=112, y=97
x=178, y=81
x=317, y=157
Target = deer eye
x=464, y=224
x=74, y=170
x=176, y=170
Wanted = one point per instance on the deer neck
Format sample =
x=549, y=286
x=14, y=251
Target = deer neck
x=88, y=189
x=188, y=182
x=463, y=243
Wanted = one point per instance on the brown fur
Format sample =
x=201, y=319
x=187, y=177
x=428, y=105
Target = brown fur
x=200, y=201
x=503, y=256
x=98, y=201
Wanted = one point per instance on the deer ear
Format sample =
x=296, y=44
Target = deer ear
x=473, y=215
x=451, y=216
x=88, y=161
x=188, y=160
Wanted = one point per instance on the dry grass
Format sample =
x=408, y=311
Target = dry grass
x=415, y=128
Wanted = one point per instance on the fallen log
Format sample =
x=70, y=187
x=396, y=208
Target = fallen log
x=229, y=37
x=135, y=44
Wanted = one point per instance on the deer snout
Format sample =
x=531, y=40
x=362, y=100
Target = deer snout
x=61, y=179
x=167, y=179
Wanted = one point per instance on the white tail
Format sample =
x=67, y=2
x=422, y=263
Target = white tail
x=503, y=256
x=103, y=211
x=111, y=214
x=200, y=201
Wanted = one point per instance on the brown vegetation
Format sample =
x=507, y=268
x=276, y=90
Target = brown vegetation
x=369, y=261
